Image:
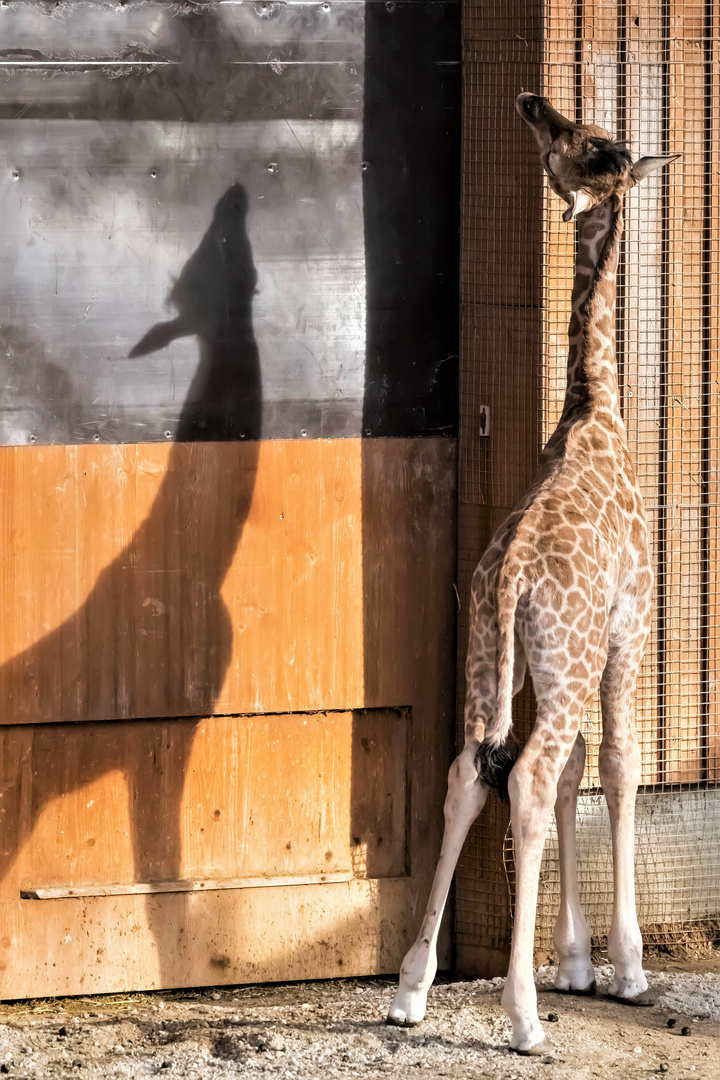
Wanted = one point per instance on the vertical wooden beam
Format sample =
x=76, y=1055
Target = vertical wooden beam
x=685, y=185
x=501, y=365
x=641, y=317
x=598, y=60
x=712, y=388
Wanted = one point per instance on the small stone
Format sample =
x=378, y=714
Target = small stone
x=637, y=1049
x=672, y=1022
x=549, y=1060
x=663, y=1066
x=686, y=1031
x=215, y=996
x=63, y=1030
x=553, y=1018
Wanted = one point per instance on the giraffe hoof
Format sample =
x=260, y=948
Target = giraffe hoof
x=540, y=1049
x=400, y=1021
x=643, y=1000
x=586, y=991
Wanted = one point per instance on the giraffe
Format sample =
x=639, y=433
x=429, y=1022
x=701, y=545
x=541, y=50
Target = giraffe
x=564, y=589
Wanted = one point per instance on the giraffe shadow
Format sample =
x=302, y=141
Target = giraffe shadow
x=153, y=638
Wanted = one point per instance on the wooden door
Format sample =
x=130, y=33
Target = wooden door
x=227, y=633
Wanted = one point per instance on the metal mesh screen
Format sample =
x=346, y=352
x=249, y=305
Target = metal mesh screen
x=650, y=74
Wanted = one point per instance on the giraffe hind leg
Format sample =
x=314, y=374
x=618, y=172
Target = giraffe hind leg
x=465, y=799
x=619, y=766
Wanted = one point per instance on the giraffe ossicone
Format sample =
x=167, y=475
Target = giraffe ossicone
x=564, y=590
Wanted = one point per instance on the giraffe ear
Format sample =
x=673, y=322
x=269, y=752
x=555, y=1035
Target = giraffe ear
x=646, y=165
x=577, y=202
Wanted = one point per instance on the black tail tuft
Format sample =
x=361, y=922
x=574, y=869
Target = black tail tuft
x=494, y=764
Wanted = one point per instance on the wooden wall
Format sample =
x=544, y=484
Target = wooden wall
x=227, y=640
x=324, y=616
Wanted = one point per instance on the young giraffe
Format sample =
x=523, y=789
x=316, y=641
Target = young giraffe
x=564, y=588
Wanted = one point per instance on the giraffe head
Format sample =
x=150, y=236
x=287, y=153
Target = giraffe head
x=584, y=165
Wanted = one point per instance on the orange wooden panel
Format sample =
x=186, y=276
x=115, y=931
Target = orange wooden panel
x=114, y=943
x=683, y=750
x=313, y=574
x=180, y=580
x=93, y=806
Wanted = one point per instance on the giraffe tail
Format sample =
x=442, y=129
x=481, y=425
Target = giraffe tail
x=498, y=750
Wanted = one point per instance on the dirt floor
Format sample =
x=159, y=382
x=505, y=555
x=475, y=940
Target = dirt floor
x=336, y=1029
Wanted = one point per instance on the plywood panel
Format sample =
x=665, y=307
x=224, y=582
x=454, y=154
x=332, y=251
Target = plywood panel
x=180, y=580
x=243, y=576
x=96, y=806
x=116, y=943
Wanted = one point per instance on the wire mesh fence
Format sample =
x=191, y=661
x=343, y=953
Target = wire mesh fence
x=650, y=74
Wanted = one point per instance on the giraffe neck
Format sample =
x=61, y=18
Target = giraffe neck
x=592, y=386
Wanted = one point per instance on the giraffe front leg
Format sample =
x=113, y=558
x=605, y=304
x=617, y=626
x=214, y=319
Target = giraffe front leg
x=619, y=766
x=571, y=935
x=465, y=799
x=532, y=788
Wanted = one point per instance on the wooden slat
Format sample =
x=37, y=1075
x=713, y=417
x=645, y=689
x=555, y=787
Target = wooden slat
x=712, y=463
x=594, y=89
x=682, y=751
x=558, y=237
x=502, y=294
x=144, y=888
x=640, y=319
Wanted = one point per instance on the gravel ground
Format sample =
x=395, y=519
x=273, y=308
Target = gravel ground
x=336, y=1029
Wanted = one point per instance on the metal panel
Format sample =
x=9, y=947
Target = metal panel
x=121, y=127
